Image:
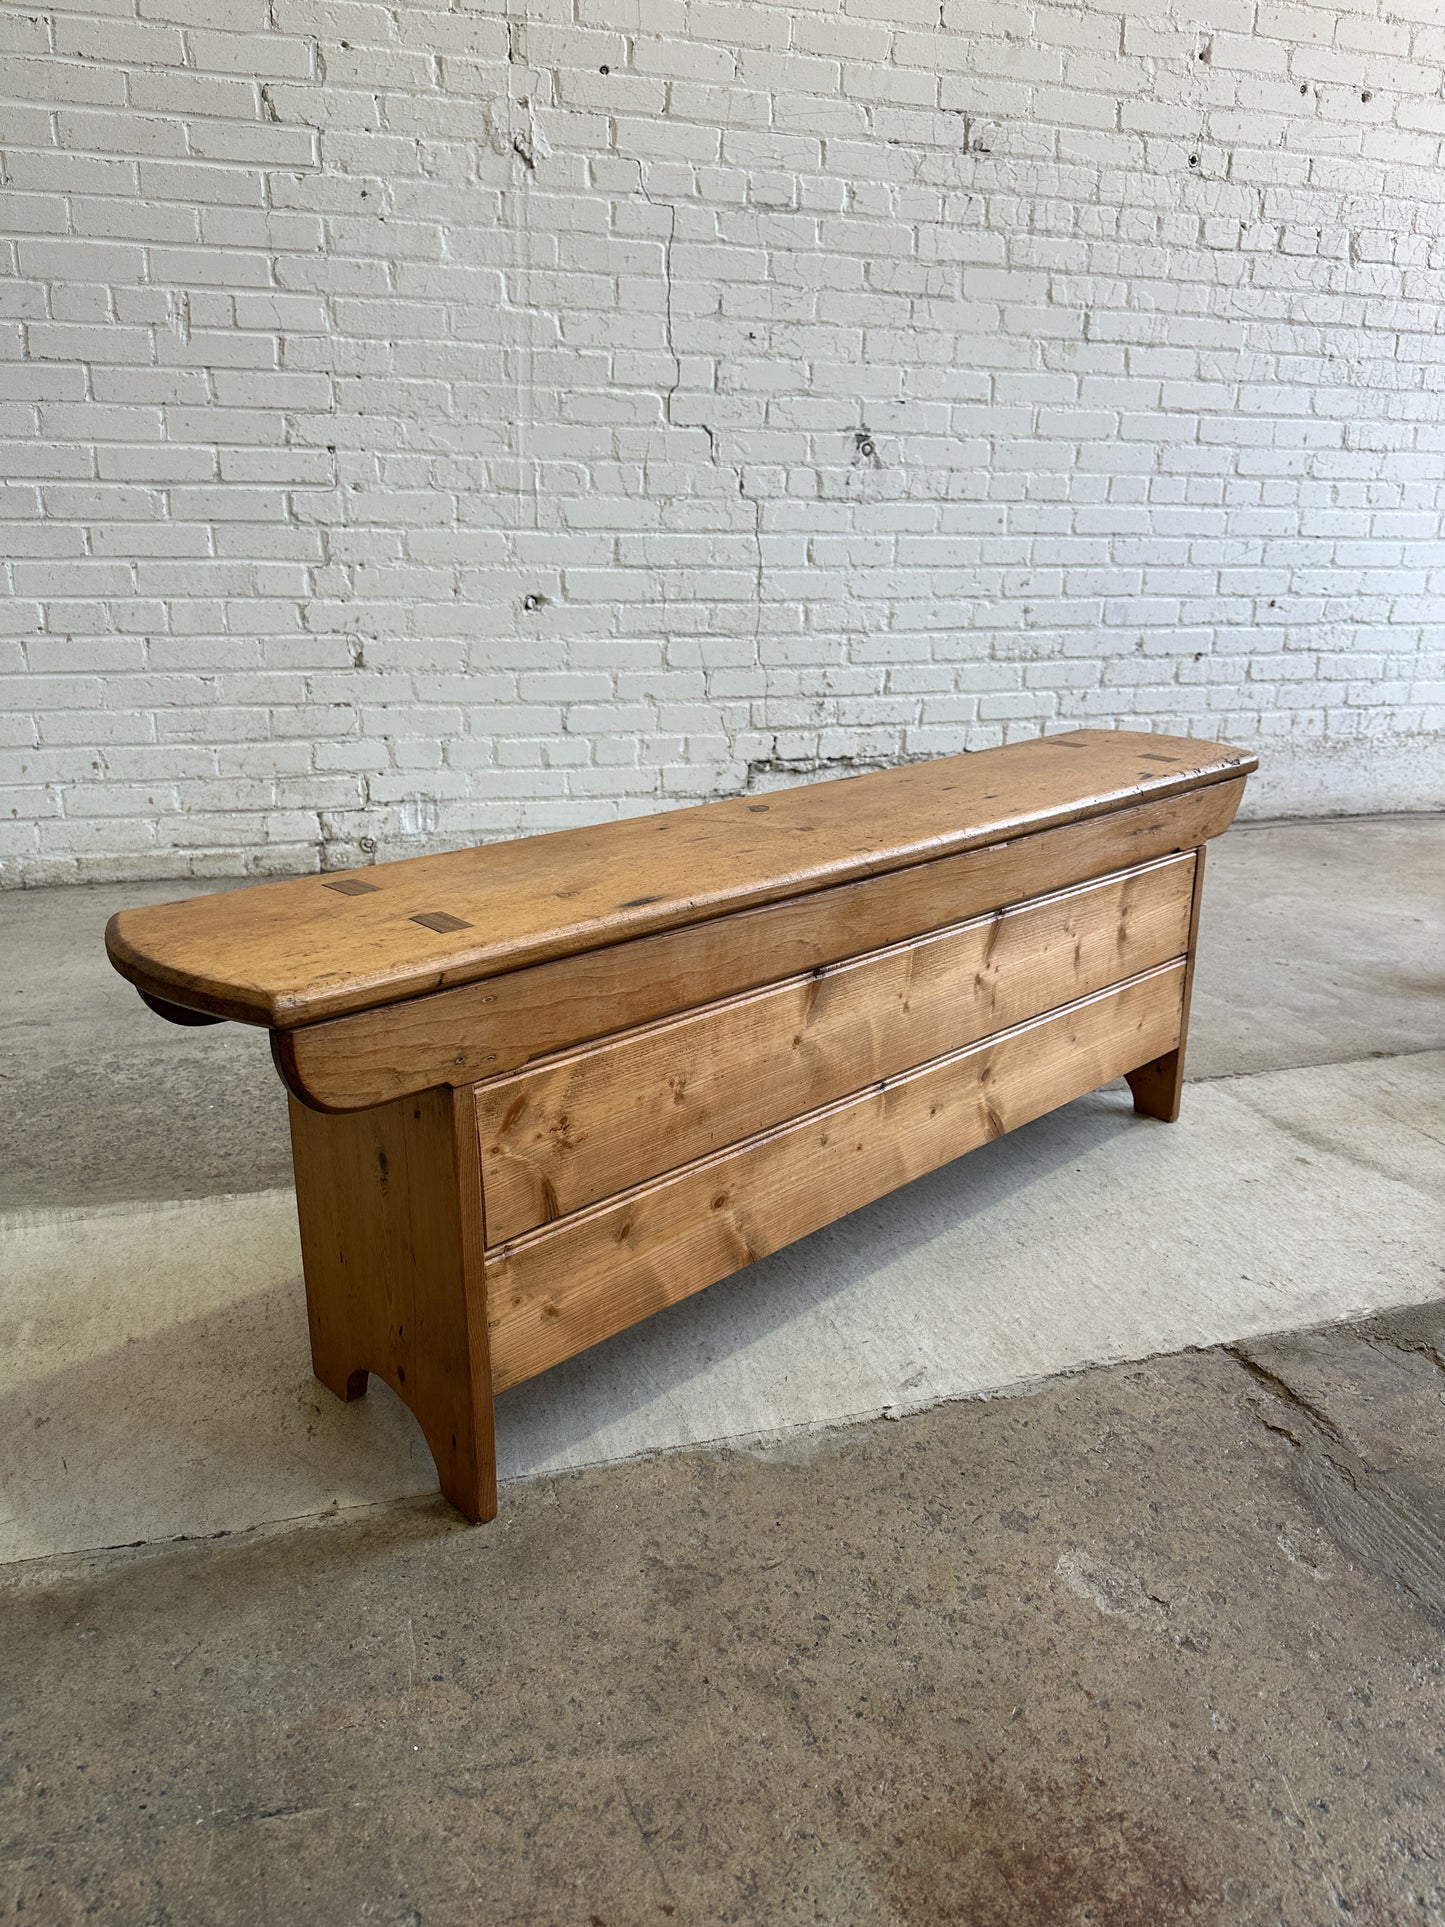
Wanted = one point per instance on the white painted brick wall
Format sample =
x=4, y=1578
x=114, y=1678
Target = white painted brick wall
x=424, y=424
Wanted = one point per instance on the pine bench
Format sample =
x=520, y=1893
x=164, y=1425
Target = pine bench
x=541, y=1089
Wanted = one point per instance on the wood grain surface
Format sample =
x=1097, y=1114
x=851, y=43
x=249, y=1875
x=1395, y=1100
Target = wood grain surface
x=308, y=948
x=390, y=1204
x=479, y=1030
x=1158, y=1087
x=557, y=1291
x=573, y=1130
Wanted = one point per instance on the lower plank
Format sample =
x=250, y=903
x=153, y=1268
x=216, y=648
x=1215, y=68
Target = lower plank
x=557, y=1291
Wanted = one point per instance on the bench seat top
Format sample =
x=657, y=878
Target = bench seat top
x=306, y=948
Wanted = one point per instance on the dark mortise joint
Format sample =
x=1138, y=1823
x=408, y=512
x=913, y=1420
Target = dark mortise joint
x=440, y=921
x=506, y=1152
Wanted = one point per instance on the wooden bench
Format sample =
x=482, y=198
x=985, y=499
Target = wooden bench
x=541, y=1089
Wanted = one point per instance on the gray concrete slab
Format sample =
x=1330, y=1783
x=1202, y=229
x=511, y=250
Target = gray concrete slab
x=1321, y=941
x=1101, y=1654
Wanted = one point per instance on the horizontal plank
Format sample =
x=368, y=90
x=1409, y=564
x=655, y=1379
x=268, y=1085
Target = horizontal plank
x=557, y=1291
x=571, y=1131
x=480, y=1030
x=307, y=948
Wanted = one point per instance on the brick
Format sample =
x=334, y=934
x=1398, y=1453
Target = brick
x=61, y=81
x=213, y=96
x=68, y=261
x=265, y=55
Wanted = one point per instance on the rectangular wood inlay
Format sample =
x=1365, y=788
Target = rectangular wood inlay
x=439, y=920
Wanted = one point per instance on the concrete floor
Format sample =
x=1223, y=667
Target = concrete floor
x=1157, y=1641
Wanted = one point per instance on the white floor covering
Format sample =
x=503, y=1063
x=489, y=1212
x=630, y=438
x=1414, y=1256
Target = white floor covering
x=154, y=1376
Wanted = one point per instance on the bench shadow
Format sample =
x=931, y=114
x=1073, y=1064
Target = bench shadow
x=211, y=1424
x=654, y=1363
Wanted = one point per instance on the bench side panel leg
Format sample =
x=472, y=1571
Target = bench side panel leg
x=391, y=1237
x=1158, y=1086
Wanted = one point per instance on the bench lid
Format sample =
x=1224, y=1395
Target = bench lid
x=307, y=948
